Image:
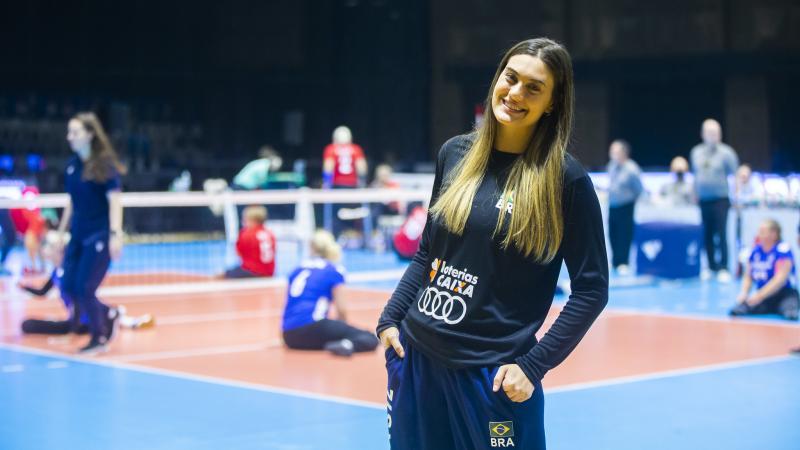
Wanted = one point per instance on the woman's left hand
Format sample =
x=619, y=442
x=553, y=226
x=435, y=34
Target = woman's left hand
x=115, y=246
x=516, y=385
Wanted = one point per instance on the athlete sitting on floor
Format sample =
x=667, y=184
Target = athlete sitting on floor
x=771, y=268
x=77, y=322
x=312, y=288
x=255, y=246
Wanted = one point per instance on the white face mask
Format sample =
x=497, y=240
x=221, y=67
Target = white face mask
x=83, y=153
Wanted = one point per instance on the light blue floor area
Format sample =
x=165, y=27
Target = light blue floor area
x=88, y=406
x=746, y=408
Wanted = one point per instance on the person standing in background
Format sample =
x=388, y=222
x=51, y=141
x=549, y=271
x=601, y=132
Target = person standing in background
x=343, y=167
x=93, y=215
x=712, y=162
x=625, y=186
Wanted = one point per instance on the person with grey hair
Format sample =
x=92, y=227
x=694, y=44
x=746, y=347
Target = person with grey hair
x=712, y=162
x=625, y=186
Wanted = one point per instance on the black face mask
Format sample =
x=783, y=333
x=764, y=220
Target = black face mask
x=679, y=175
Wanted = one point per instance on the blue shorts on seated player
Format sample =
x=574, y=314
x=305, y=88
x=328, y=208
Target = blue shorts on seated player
x=313, y=288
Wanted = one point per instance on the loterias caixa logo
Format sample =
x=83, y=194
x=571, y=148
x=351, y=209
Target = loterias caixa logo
x=444, y=298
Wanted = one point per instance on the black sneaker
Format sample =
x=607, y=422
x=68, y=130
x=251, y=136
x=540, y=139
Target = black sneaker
x=96, y=345
x=343, y=347
x=742, y=309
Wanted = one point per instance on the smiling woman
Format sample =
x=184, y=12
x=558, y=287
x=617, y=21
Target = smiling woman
x=508, y=206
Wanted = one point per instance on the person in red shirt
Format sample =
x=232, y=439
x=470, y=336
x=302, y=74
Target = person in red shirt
x=406, y=239
x=31, y=225
x=343, y=167
x=255, y=246
x=343, y=162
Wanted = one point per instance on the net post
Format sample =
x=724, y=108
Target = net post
x=304, y=219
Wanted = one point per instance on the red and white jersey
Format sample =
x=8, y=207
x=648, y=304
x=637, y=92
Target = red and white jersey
x=344, y=168
x=256, y=248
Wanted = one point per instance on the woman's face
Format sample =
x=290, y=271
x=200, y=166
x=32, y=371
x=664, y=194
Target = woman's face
x=79, y=139
x=523, y=92
x=766, y=235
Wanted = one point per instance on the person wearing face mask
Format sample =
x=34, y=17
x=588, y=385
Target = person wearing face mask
x=625, y=187
x=509, y=205
x=94, y=217
x=712, y=162
x=679, y=191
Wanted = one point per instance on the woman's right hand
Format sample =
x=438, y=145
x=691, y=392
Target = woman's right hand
x=390, y=337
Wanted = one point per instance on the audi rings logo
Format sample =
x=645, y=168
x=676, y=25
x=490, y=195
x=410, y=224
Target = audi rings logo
x=442, y=305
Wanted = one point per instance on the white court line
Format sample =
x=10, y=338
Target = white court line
x=669, y=374
x=240, y=315
x=12, y=368
x=205, y=286
x=233, y=285
x=347, y=401
x=628, y=312
x=206, y=351
x=199, y=378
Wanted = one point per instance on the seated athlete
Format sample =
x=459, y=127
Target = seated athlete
x=77, y=322
x=771, y=268
x=313, y=287
x=255, y=246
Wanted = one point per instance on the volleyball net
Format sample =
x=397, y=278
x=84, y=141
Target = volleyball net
x=190, y=237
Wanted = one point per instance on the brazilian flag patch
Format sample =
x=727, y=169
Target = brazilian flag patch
x=501, y=429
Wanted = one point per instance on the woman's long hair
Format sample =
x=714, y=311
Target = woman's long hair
x=535, y=181
x=103, y=162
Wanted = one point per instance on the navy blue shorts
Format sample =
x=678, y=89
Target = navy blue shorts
x=240, y=272
x=433, y=407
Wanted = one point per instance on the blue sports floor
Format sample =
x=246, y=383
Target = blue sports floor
x=50, y=400
x=56, y=402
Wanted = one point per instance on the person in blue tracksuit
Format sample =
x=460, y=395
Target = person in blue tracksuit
x=94, y=217
x=509, y=206
x=78, y=324
x=313, y=288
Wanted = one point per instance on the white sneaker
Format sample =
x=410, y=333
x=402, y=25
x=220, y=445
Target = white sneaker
x=623, y=270
x=705, y=275
x=723, y=276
